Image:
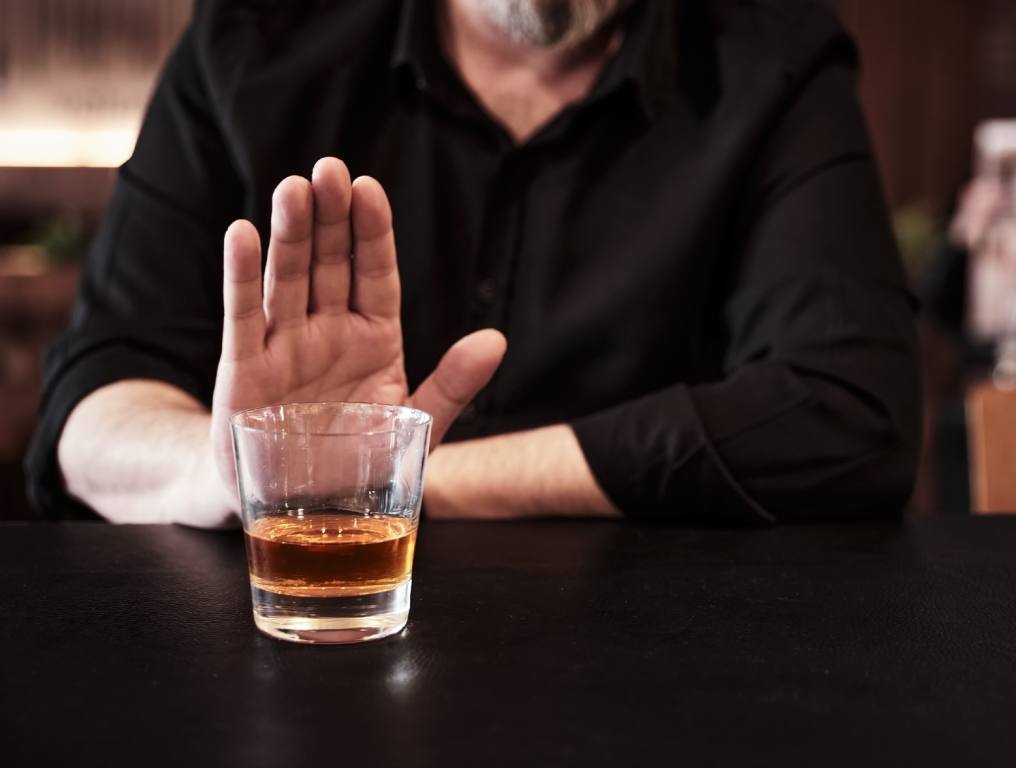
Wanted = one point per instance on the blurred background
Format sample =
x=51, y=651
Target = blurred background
x=75, y=76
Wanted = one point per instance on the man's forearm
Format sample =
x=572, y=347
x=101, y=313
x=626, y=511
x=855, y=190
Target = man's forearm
x=523, y=474
x=140, y=452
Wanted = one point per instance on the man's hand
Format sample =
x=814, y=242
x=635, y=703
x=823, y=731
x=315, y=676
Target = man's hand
x=326, y=326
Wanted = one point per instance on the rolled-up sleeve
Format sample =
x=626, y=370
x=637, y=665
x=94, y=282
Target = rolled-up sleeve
x=149, y=304
x=817, y=415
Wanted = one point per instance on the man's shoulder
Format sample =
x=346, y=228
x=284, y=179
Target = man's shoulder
x=234, y=40
x=285, y=24
x=752, y=54
x=304, y=9
x=791, y=35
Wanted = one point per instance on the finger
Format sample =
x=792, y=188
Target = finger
x=464, y=370
x=287, y=274
x=375, y=291
x=329, y=279
x=243, y=328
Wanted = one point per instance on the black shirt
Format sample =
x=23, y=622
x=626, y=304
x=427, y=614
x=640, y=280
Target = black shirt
x=693, y=265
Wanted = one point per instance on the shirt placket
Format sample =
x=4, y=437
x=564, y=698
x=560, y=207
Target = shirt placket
x=495, y=265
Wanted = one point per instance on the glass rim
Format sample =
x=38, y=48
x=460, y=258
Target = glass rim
x=424, y=419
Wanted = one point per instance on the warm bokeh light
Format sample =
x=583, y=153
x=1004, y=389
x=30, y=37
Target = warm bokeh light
x=107, y=146
x=75, y=77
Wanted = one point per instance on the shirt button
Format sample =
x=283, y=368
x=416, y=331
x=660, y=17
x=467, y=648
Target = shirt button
x=486, y=291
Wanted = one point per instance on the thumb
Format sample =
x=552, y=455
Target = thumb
x=464, y=370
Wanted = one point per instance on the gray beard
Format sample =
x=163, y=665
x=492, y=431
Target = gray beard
x=565, y=23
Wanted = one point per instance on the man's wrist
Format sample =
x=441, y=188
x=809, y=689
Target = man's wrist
x=202, y=497
x=437, y=485
x=541, y=472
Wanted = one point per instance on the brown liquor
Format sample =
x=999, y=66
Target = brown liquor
x=330, y=553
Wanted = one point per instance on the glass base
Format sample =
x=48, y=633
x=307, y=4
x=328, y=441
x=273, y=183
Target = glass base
x=332, y=619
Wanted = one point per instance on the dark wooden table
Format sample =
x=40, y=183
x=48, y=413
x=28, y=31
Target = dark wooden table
x=529, y=644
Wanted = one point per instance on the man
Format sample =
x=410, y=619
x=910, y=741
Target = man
x=670, y=209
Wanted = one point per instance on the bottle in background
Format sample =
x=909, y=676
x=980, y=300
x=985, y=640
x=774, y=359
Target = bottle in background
x=993, y=313
x=992, y=280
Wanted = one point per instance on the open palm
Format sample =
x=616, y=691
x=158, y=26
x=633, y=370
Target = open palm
x=326, y=325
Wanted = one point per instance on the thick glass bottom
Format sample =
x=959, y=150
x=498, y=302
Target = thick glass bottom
x=349, y=619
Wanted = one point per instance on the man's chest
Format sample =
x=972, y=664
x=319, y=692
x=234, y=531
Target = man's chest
x=597, y=251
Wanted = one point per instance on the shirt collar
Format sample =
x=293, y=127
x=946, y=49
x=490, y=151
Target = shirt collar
x=646, y=64
x=415, y=30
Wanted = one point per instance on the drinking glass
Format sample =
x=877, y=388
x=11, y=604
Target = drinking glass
x=330, y=496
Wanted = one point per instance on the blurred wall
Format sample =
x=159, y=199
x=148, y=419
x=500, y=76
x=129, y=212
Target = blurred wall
x=932, y=69
x=74, y=79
